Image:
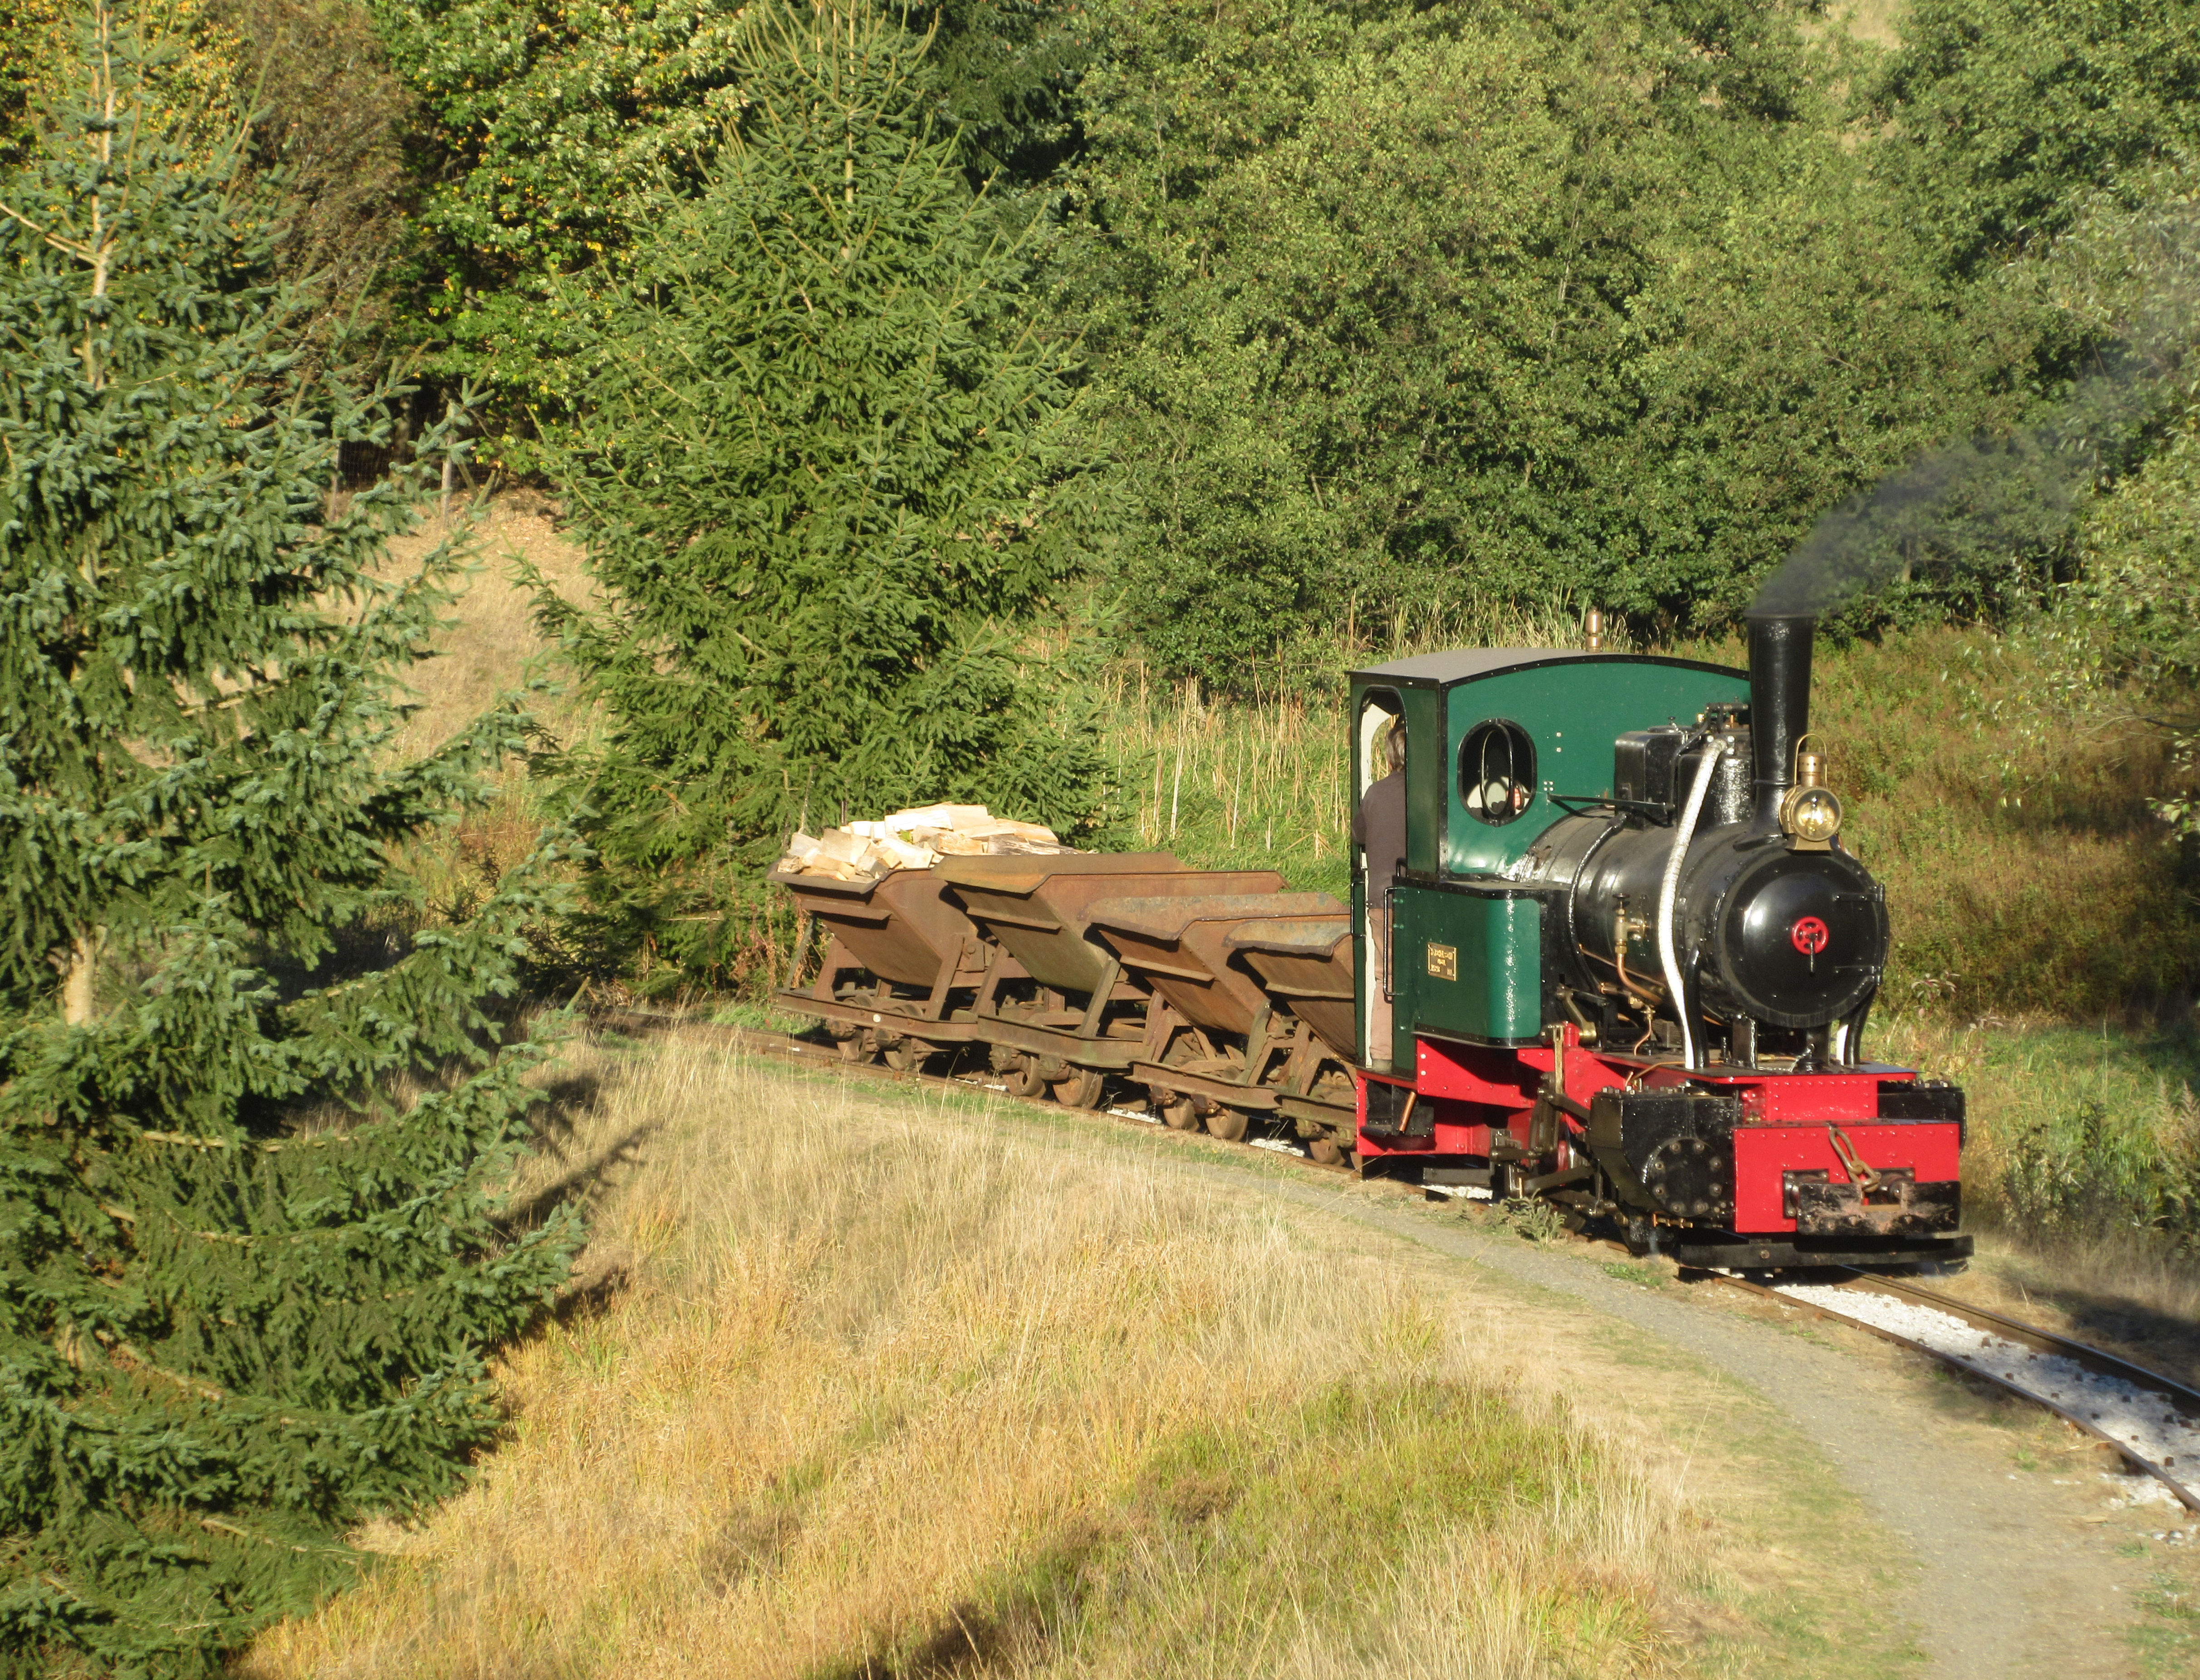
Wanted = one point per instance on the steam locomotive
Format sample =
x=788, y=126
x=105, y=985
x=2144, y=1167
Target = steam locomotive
x=1625, y=964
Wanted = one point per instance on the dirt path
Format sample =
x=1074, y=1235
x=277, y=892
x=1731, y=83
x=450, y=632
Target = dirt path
x=2014, y=1574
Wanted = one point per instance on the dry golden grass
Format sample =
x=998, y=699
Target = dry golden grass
x=1876, y=21
x=882, y=1385
x=492, y=646
x=489, y=648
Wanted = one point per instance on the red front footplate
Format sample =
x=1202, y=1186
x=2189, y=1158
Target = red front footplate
x=1764, y=1155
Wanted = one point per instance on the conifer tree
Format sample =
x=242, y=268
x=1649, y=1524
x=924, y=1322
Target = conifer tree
x=243, y=1295
x=828, y=478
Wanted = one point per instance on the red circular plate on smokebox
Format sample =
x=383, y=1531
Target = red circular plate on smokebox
x=1809, y=935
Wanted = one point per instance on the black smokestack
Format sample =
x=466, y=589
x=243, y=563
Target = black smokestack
x=1779, y=700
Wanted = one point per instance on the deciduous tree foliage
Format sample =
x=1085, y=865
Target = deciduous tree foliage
x=244, y=1291
x=827, y=471
x=544, y=121
x=329, y=123
x=552, y=128
x=1401, y=308
x=2128, y=624
x=2007, y=115
x=1482, y=303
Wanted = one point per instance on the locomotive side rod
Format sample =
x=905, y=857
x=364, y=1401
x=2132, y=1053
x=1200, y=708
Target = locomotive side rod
x=2182, y=1401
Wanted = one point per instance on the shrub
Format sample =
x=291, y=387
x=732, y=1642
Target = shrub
x=2008, y=114
x=1488, y=305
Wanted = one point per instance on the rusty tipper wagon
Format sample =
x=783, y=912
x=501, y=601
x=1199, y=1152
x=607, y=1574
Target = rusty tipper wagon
x=1060, y=1013
x=1220, y=1047
x=898, y=950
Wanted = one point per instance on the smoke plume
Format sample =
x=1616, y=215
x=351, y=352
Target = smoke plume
x=1985, y=501
x=1989, y=503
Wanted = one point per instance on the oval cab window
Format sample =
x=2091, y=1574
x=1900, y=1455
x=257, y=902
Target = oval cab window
x=1497, y=771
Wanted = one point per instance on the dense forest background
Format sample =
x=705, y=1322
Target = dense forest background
x=910, y=378
x=1391, y=310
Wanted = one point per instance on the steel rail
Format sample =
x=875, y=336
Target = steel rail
x=2180, y=1399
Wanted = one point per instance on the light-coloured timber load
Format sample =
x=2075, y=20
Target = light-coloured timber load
x=915, y=839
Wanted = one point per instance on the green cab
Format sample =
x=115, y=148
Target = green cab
x=1527, y=736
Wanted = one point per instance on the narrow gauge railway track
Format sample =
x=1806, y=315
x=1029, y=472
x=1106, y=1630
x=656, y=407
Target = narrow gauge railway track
x=792, y=1049
x=2150, y=1420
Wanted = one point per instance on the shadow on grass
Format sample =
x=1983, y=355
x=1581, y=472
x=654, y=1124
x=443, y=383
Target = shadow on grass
x=624, y=1150
x=1001, y=1632
x=2173, y=1052
x=2169, y=1343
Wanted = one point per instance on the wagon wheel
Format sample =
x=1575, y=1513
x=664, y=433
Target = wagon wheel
x=1327, y=1151
x=863, y=1047
x=1023, y=1080
x=1227, y=1124
x=1081, y=1090
x=1181, y=1114
x=909, y=1056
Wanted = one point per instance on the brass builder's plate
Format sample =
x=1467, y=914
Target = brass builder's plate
x=1443, y=961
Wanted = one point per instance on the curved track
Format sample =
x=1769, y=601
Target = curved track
x=2148, y=1418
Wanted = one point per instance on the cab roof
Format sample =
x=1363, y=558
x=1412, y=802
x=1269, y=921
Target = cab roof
x=1464, y=664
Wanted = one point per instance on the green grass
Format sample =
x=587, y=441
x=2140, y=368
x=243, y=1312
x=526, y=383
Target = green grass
x=1226, y=1545
x=2074, y=1130
x=759, y=1018
x=2168, y=1640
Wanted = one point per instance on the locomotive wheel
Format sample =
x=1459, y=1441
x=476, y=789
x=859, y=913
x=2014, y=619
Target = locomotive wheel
x=1023, y=1081
x=1081, y=1090
x=1181, y=1115
x=908, y=1057
x=1227, y=1124
x=863, y=1047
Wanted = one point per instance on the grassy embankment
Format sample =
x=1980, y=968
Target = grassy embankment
x=891, y=1382
x=873, y=1383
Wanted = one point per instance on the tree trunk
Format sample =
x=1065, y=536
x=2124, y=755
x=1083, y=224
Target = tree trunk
x=80, y=978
